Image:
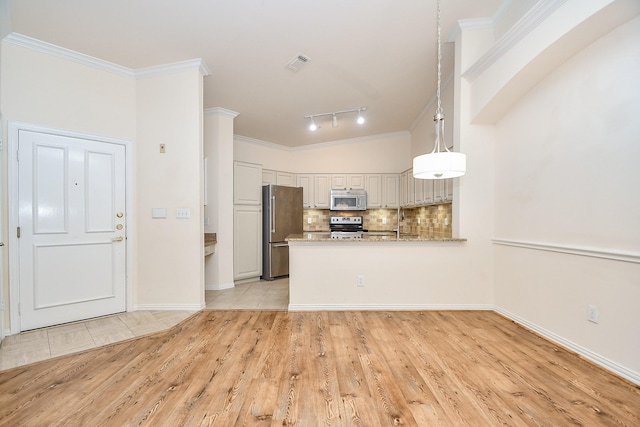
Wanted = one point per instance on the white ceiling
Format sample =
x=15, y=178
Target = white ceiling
x=375, y=53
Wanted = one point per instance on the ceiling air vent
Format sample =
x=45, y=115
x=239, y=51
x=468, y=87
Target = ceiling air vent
x=297, y=62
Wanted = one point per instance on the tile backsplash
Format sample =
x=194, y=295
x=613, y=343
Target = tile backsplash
x=429, y=221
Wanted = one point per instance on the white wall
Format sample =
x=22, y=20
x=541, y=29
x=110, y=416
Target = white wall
x=49, y=91
x=52, y=91
x=376, y=154
x=396, y=275
x=567, y=175
x=219, y=150
x=169, y=252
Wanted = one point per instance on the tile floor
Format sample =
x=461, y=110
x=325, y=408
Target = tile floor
x=45, y=343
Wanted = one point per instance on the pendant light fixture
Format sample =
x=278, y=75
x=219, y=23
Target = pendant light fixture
x=440, y=163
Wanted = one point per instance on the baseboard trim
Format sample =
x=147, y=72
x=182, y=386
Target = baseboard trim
x=169, y=307
x=599, y=360
x=219, y=287
x=387, y=307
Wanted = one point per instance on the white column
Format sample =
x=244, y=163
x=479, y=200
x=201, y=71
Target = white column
x=218, y=148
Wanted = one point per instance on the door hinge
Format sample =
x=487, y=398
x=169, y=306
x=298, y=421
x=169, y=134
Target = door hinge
x=18, y=232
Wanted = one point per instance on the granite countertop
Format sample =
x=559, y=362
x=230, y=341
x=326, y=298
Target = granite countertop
x=368, y=237
x=210, y=240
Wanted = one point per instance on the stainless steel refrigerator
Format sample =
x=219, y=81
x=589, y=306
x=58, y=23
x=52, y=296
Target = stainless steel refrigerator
x=281, y=216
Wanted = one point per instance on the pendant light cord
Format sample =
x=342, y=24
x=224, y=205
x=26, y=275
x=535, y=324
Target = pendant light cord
x=439, y=109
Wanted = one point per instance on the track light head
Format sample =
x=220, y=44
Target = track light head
x=312, y=125
x=334, y=121
x=360, y=119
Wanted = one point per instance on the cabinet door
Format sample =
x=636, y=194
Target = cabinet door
x=404, y=187
x=247, y=183
x=268, y=177
x=339, y=182
x=285, y=178
x=391, y=191
x=439, y=190
x=428, y=191
x=247, y=242
x=448, y=185
x=418, y=188
x=321, y=188
x=373, y=186
x=411, y=195
x=306, y=182
x=356, y=182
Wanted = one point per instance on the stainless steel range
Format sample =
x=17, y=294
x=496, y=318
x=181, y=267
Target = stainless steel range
x=345, y=227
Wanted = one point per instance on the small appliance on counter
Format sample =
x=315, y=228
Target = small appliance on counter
x=346, y=227
x=281, y=217
x=348, y=200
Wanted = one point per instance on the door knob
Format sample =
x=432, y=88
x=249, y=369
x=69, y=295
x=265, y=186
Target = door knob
x=119, y=214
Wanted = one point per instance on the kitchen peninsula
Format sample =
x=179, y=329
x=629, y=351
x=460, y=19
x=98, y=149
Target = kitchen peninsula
x=378, y=272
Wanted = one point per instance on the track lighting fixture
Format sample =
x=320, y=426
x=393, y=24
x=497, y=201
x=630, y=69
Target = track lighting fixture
x=334, y=117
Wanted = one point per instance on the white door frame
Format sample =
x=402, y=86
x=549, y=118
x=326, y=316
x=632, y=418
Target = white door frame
x=14, y=279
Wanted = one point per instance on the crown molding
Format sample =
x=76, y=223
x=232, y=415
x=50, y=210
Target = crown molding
x=221, y=111
x=525, y=25
x=90, y=61
x=176, y=67
x=470, y=24
x=255, y=141
x=68, y=54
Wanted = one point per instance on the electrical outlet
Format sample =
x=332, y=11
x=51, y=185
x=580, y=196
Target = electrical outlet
x=360, y=281
x=309, y=220
x=418, y=220
x=163, y=148
x=384, y=220
x=592, y=314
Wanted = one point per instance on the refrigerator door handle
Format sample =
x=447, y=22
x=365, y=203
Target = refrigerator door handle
x=279, y=245
x=273, y=214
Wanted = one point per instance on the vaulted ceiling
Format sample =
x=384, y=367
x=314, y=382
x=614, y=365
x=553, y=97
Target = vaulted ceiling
x=379, y=54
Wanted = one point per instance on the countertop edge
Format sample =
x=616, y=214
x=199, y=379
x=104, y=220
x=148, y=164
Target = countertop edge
x=300, y=239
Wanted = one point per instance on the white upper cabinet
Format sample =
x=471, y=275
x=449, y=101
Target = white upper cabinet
x=373, y=187
x=321, y=189
x=269, y=177
x=278, y=178
x=391, y=190
x=247, y=183
x=339, y=181
x=356, y=182
x=306, y=182
x=286, y=179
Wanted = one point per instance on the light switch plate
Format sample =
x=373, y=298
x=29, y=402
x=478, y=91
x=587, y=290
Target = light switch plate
x=183, y=213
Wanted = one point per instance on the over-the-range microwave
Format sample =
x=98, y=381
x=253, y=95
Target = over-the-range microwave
x=348, y=200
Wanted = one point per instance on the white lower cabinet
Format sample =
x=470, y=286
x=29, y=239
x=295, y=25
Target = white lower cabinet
x=247, y=242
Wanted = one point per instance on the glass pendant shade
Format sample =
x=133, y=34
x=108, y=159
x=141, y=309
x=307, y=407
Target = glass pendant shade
x=442, y=165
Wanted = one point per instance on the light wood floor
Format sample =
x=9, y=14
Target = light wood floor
x=273, y=368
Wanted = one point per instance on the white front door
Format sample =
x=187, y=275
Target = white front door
x=72, y=227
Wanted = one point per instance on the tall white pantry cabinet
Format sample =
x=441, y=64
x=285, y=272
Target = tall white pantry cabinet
x=247, y=221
